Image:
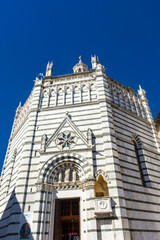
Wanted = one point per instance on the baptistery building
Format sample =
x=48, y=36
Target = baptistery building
x=83, y=161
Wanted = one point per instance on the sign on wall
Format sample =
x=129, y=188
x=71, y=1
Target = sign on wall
x=25, y=226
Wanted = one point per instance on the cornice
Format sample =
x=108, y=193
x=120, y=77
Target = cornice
x=128, y=112
x=69, y=75
x=80, y=104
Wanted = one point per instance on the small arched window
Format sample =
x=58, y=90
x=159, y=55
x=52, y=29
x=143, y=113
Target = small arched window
x=60, y=97
x=137, y=146
x=44, y=99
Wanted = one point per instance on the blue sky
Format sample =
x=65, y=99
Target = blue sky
x=124, y=34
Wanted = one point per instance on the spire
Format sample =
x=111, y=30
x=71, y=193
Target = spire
x=96, y=65
x=142, y=93
x=49, y=69
x=94, y=61
x=80, y=59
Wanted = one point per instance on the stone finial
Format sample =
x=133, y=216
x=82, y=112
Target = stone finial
x=80, y=59
x=96, y=65
x=49, y=69
x=67, y=114
x=142, y=93
x=100, y=68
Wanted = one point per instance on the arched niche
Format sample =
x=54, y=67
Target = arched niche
x=93, y=92
x=101, y=187
x=76, y=95
x=68, y=96
x=44, y=99
x=84, y=93
x=60, y=97
x=52, y=98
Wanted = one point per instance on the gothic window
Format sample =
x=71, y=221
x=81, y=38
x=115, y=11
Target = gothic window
x=119, y=96
x=93, y=93
x=76, y=97
x=126, y=100
x=122, y=100
x=112, y=89
x=101, y=188
x=60, y=97
x=139, y=162
x=68, y=96
x=138, y=107
x=144, y=112
x=44, y=99
x=52, y=98
x=115, y=95
x=134, y=105
x=84, y=94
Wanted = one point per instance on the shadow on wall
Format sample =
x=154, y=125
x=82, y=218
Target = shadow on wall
x=14, y=224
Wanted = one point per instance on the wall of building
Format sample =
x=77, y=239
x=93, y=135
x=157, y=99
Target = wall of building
x=118, y=117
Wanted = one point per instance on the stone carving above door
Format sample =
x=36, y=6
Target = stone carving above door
x=67, y=176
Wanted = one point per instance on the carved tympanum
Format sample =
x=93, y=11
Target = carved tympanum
x=66, y=173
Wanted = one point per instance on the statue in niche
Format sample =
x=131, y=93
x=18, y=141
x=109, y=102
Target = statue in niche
x=43, y=142
x=100, y=67
x=60, y=177
x=101, y=188
x=67, y=173
x=74, y=175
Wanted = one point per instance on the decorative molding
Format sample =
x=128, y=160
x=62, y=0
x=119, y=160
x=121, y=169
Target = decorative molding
x=137, y=140
x=103, y=207
x=103, y=174
x=49, y=166
x=75, y=129
x=66, y=140
x=61, y=186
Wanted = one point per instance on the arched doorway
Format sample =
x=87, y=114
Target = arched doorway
x=67, y=219
x=65, y=178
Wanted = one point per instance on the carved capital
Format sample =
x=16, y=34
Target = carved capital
x=45, y=187
x=88, y=183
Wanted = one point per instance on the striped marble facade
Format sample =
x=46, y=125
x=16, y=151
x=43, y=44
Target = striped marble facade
x=116, y=138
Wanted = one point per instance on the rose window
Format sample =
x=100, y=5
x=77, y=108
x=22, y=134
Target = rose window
x=66, y=140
